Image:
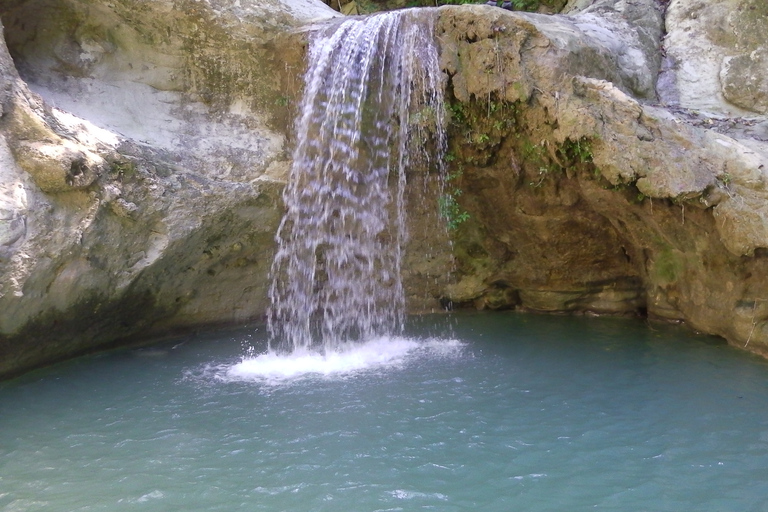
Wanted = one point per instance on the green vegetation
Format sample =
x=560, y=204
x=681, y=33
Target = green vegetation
x=479, y=124
x=579, y=150
x=549, y=160
x=486, y=132
x=537, y=155
x=450, y=210
x=456, y=113
x=123, y=169
x=667, y=265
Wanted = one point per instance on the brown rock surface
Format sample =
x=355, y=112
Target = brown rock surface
x=584, y=194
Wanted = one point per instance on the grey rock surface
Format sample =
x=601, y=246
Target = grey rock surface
x=142, y=159
x=714, y=56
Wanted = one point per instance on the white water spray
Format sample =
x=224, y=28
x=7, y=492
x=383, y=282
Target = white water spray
x=376, y=354
x=372, y=109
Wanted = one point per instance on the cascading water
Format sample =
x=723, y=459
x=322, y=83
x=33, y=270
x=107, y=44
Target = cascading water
x=372, y=109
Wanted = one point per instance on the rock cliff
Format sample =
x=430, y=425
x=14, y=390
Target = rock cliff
x=614, y=160
x=609, y=160
x=142, y=160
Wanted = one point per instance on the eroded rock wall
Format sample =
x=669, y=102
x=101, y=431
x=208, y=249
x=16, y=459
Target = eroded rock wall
x=142, y=160
x=145, y=145
x=587, y=193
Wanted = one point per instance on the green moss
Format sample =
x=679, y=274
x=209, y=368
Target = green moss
x=122, y=169
x=667, y=266
x=479, y=126
x=456, y=113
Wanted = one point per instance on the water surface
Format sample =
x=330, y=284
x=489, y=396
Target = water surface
x=514, y=412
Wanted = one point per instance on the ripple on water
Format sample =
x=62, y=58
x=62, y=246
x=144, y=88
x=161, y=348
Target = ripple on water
x=528, y=414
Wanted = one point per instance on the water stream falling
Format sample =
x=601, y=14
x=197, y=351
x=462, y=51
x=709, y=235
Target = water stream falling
x=372, y=109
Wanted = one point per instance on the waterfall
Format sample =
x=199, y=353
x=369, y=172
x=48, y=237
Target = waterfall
x=372, y=110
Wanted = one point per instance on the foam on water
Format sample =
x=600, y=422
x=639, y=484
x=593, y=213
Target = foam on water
x=382, y=352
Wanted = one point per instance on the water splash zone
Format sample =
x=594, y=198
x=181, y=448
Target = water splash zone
x=372, y=109
x=373, y=355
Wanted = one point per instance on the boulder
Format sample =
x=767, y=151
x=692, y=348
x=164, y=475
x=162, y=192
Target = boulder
x=715, y=56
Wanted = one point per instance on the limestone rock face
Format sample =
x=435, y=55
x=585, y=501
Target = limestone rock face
x=744, y=81
x=597, y=165
x=587, y=194
x=716, y=56
x=142, y=158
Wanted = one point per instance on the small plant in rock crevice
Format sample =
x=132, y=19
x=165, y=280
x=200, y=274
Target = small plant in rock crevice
x=450, y=210
x=579, y=150
x=480, y=125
